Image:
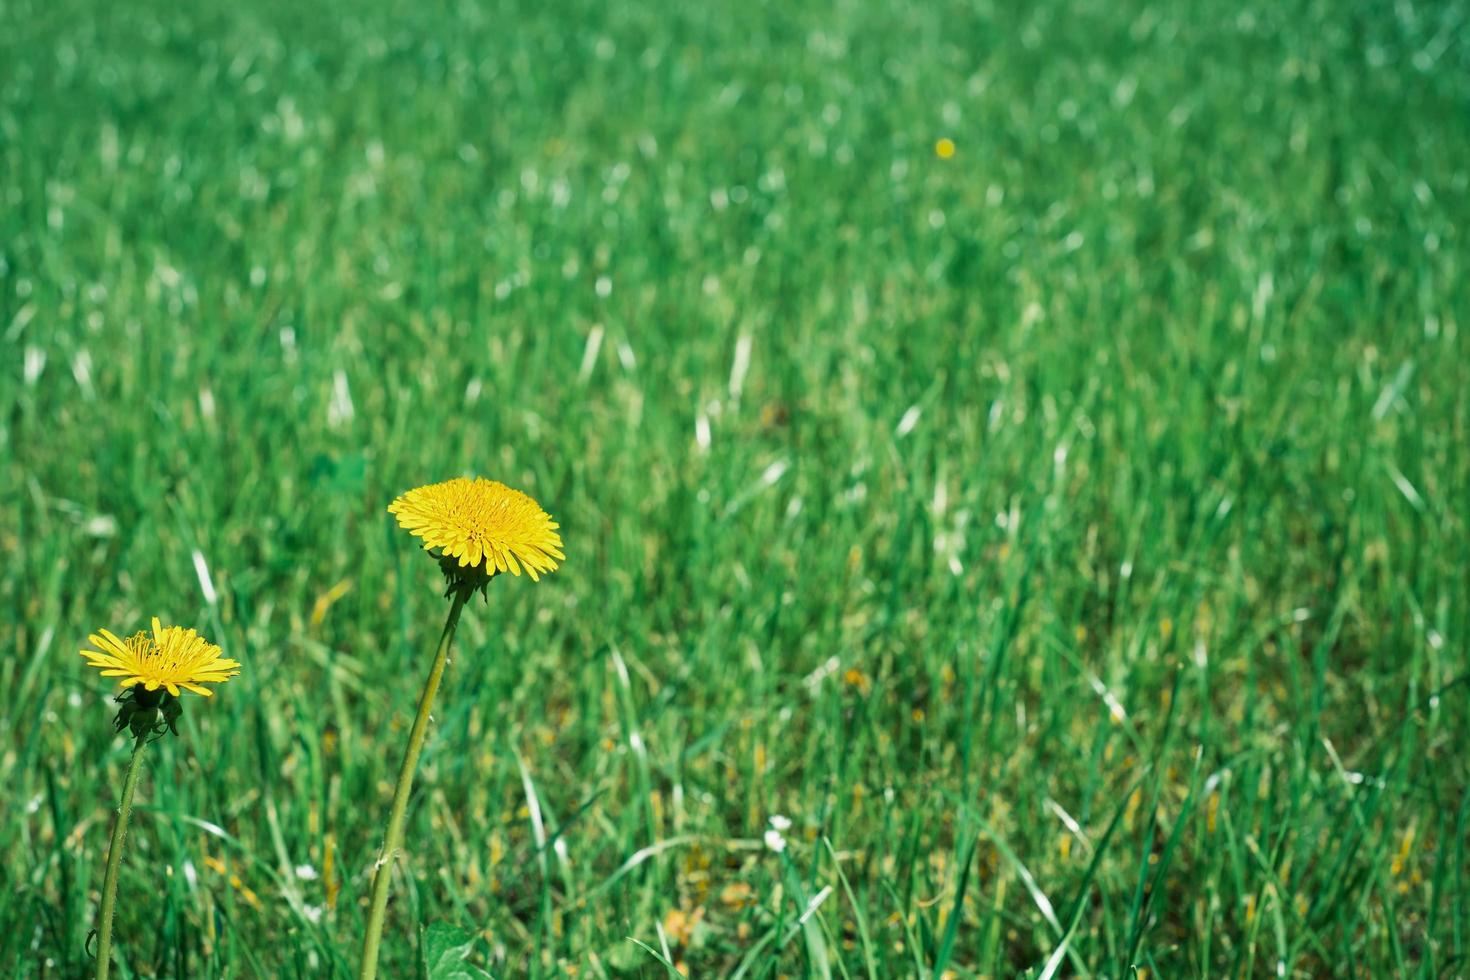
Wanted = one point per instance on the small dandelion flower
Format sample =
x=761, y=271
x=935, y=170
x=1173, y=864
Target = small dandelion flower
x=154, y=668
x=169, y=657
x=944, y=148
x=480, y=528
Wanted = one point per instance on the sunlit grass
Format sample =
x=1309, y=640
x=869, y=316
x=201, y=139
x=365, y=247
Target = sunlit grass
x=1066, y=533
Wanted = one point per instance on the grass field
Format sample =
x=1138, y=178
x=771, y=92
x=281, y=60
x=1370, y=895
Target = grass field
x=1068, y=534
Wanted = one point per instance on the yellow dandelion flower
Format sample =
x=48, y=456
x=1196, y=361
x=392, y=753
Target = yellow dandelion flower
x=168, y=657
x=482, y=524
x=479, y=528
x=944, y=148
x=153, y=667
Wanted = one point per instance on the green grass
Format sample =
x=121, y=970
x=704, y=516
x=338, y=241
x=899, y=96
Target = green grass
x=1069, y=537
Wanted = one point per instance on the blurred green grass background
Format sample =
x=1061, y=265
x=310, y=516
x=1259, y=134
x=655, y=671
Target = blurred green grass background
x=1068, y=537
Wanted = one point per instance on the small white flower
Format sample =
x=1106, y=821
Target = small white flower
x=780, y=823
x=775, y=841
x=306, y=872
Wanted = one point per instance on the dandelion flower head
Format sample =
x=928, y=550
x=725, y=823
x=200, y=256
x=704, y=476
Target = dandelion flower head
x=482, y=524
x=167, y=657
x=944, y=148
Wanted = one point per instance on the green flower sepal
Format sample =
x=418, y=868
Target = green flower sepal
x=146, y=712
x=472, y=578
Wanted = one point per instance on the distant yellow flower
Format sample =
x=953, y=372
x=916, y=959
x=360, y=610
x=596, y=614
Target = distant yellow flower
x=482, y=524
x=944, y=148
x=680, y=925
x=170, y=658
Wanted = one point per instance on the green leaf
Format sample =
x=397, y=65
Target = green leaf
x=445, y=952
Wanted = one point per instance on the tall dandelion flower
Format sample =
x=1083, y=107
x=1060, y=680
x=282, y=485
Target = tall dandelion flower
x=154, y=668
x=480, y=528
x=477, y=529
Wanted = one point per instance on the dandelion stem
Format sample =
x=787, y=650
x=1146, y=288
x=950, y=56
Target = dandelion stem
x=393, y=839
x=114, y=860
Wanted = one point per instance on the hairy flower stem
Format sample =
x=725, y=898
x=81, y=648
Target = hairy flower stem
x=114, y=859
x=393, y=839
